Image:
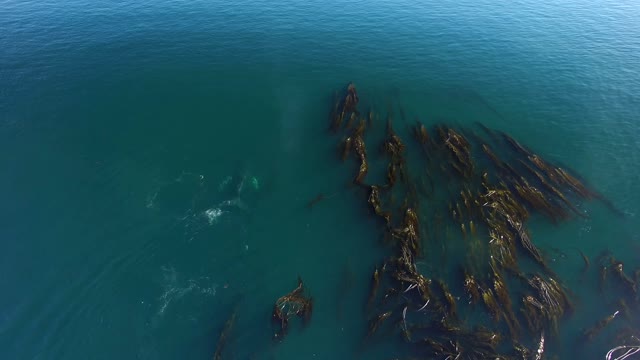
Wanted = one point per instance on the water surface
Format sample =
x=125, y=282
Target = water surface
x=131, y=134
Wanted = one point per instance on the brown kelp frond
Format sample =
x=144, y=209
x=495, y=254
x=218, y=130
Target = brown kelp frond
x=593, y=331
x=295, y=303
x=395, y=148
x=460, y=151
x=224, y=335
x=374, y=201
x=421, y=133
x=315, y=200
x=361, y=152
x=497, y=162
x=526, y=243
x=346, y=147
x=516, y=145
x=536, y=199
x=502, y=294
x=375, y=284
x=535, y=313
x=626, y=281
x=471, y=288
x=344, y=107
x=450, y=301
x=491, y=304
x=376, y=322
x=551, y=189
x=392, y=144
x=490, y=204
x=553, y=298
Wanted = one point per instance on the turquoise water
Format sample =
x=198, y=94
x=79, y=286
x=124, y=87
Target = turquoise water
x=131, y=132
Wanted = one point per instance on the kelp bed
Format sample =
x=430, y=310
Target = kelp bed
x=456, y=222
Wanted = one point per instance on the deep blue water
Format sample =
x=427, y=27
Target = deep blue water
x=158, y=157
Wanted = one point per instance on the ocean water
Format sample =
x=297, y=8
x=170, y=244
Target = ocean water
x=159, y=157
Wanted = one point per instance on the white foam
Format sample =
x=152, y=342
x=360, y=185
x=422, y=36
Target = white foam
x=213, y=214
x=186, y=175
x=224, y=183
x=151, y=200
x=175, y=293
x=237, y=202
x=175, y=289
x=171, y=294
x=241, y=185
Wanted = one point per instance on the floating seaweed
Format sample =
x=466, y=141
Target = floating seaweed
x=626, y=352
x=449, y=300
x=592, y=332
x=362, y=154
x=471, y=288
x=421, y=134
x=629, y=340
x=602, y=280
x=392, y=144
x=392, y=171
x=315, y=200
x=375, y=283
x=335, y=117
x=491, y=203
x=374, y=201
x=346, y=147
x=375, y=323
x=561, y=177
x=351, y=100
x=551, y=295
x=502, y=295
x=295, y=303
x=585, y=259
x=491, y=304
x=535, y=313
x=618, y=269
x=472, y=227
x=343, y=107
x=454, y=342
x=499, y=164
x=352, y=119
x=395, y=148
x=460, y=151
x=540, y=350
x=523, y=352
x=624, y=308
x=526, y=243
x=552, y=190
x=516, y=145
x=536, y=199
x=224, y=335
